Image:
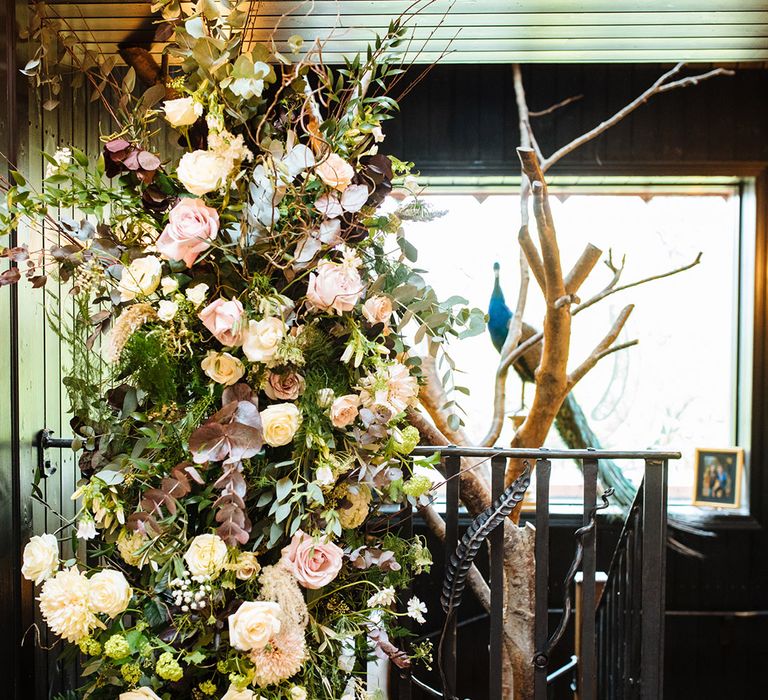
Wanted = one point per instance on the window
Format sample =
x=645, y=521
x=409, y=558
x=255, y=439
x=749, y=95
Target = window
x=677, y=388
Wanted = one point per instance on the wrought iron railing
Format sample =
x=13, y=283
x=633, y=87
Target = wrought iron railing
x=620, y=647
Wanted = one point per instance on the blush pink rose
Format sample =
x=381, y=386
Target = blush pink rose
x=334, y=287
x=313, y=564
x=191, y=227
x=344, y=410
x=284, y=387
x=335, y=172
x=224, y=320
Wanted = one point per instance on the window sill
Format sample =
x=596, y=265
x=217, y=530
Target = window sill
x=707, y=519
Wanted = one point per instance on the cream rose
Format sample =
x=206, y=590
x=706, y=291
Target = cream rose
x=197, y=293
x=344, y=410
x=253, y=625
x=334, y=287
x=41, y=558
x=202, y=172
x=109, y=592
x=206, y=555
x=166, y=310
x=262, y=338
x=335, y=172
x=247, y=566
x=223, y=368
x=280, y=423
x=313, y=564
x=169, y=285
x=224, y=320
x=183, y=111
x=142, y=693
x=130, y=546
x=298, y=693
x=377, y=310
x=142, y=276
x=234, y=694
x=287, y=386
x=191, y=227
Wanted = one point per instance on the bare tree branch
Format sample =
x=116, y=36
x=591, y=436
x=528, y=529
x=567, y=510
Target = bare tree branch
x=532, y=257
x=580, y=271
x=555, y=107
x=661, y=85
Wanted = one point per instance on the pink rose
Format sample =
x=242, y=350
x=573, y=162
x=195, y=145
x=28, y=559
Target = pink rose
x=344, y=410
x=335, y=172
x=224, y=320
x=284, y=387
x=191, y=226
x=377, y=310
x=313, y=564
x=334, y=286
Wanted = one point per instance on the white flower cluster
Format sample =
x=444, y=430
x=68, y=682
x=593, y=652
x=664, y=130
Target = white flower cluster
x=187, y=596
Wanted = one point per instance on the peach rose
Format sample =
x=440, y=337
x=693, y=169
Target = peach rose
x=223, y=319
x=287, y=386
x=344, y=410
x=335, y=172
x=334, y=286
x=313, y=564
x=191, y=227
x=377, y=310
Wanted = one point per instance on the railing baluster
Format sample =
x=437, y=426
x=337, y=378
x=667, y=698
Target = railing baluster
x=543, y=471
x=587, y=666
x=653, y=578
x=498, y=467
x=452, y=467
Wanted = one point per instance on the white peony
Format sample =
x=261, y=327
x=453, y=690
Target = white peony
x=262, y=338
x=206, y=555
x=253, y=625
x=41, y=558
x=280, y=422
x=142, y=693
x=110, y=593
x=197, y=293
x=223, y=368
x=234, y=694
x=142, y=276
x=65, y=605
x=183, y=111
x=166, y=310
x=202, y=172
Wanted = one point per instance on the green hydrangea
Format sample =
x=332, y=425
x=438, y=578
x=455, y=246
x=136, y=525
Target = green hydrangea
x=89, y=646
x=168, y=668
x=117, y=647
x=131, y=673
x=409, y=438
x=238, y=680
x=417, y=486
x=207, y=687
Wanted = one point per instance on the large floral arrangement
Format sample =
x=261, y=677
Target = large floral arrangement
x=240, y=382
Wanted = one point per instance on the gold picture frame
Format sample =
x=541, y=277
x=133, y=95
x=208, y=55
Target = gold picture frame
x=718, y=473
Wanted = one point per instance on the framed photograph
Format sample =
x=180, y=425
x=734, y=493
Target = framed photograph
x=717, y=481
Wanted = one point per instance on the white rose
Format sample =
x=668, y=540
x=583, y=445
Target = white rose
x=41, y=558
x=182, y=112
x=262, y=338
x=280, y=423
x=298, y=693
x=223, y=368
x=169, y=285
x=253, y=625
x=197, y=293
x=234, y=694
x=202, y=172
x=166, y=310
x=142, y=276
x=142, y=693
x=109, y=592
x=206, y=555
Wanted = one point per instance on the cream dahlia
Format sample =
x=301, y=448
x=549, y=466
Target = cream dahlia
x=65, y=605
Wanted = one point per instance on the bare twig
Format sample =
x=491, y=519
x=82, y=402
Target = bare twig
x=555, y=107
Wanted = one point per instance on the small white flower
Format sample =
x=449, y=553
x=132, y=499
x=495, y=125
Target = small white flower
x=384, y=598
x=324, y=475
x=416, y=610
x=166, y=310
x=169, y=285
x=86, y=529
x=197, y=293
x=298, y=692
x=63, y=157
